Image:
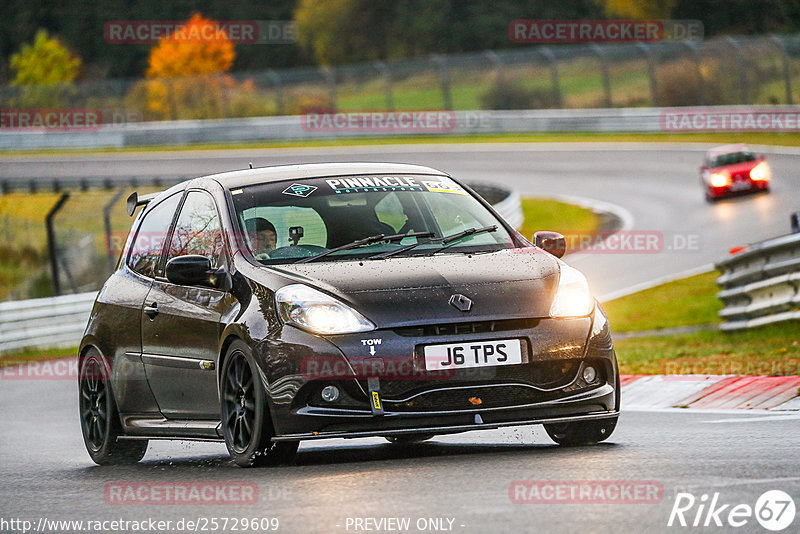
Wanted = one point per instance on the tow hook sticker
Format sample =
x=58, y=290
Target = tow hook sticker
x=371, y=343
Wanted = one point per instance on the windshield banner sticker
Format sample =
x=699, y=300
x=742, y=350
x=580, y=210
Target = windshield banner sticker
x=444, y=187
x=358, y=184
x=299, y=190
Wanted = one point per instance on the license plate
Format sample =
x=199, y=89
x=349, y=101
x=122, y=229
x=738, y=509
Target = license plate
x=739, y=186
x=474, y=354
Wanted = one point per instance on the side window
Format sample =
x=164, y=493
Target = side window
x=197, y=230
x=390, y=211
x=149, y=241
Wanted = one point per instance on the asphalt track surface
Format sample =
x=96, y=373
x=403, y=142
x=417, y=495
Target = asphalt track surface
x=46, y=473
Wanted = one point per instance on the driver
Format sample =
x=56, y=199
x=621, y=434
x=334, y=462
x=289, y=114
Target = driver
x=264, y=237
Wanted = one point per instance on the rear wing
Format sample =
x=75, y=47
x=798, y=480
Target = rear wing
x=134, y=201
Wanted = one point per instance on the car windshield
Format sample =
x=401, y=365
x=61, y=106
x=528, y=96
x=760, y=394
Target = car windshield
x=286, y=222
x=732, y=159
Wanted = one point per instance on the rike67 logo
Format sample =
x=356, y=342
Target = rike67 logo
x=774, y=510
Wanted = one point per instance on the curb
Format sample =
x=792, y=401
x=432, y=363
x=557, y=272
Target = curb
x=717, y=392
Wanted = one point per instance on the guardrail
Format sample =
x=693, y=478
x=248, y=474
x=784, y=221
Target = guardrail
x=296, y=127
x=60, y=321
x=761, y=284
x=42, y=323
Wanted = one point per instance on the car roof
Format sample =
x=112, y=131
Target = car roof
x=727, y=149
x=235, y=179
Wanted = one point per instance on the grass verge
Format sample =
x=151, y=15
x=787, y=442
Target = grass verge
x=32, y=355
x=768, y=350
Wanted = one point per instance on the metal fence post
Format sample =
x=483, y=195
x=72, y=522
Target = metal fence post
x=330, y=78
x=787, y=75
x=51, y=240
x=494, y=59
x=275, y=77
x=651, y=70
x=697, y=72
x=742, y=72
x=107, y=225
x=444, y=78
x=553, y=61
x=386, y=72
x=598, y=51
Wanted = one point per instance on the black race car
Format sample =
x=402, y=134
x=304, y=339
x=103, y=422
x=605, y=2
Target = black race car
x=268, y=306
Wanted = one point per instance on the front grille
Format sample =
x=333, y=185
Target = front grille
x=476, y=327
x=546, y=374
x=472, y=398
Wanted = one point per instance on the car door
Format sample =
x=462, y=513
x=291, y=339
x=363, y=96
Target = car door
x=181, y=324
x=122, y=299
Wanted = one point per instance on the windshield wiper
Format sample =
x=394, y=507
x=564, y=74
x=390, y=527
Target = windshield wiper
x=400, y=250
x=466, y=233
x=446, y=242
x=365, y=241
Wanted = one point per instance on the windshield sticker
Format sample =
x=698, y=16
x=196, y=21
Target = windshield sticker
x=444, y=187
x=358, y=184
x=299, y=190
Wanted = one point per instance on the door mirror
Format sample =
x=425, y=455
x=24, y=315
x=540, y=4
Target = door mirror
x=551, y=242
x=195, y=270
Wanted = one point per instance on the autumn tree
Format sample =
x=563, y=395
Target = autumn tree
x=639, y=9
x=44, y=71
x=186, y=72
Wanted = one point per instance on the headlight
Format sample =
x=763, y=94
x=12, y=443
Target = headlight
x=760, y=172
x=317, y=312
x=573, y=298
x=720, y=180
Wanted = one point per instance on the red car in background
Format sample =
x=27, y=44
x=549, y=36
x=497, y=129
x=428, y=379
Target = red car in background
x=733, y=169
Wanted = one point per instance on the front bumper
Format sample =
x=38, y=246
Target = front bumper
x=547, y=388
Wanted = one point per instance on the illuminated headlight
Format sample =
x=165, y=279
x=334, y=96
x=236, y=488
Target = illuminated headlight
x=573, y=298
x=720, y=180
x=317, y=312
x=760, y=172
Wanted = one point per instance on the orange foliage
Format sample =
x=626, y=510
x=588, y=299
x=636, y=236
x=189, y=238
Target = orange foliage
x=201, y=47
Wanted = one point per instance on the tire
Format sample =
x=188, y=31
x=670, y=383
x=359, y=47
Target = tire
x=582, y=432
x=246, y=424
x=710, y=199
x=100, y=424
x=409, y=439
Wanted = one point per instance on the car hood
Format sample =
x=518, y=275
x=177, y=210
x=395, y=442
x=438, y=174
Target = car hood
x=509, y=284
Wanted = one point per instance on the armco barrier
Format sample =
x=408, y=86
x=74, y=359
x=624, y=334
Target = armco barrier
x=761, y=284
x=294, y=127
x=60, y=321
x=47, y=322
